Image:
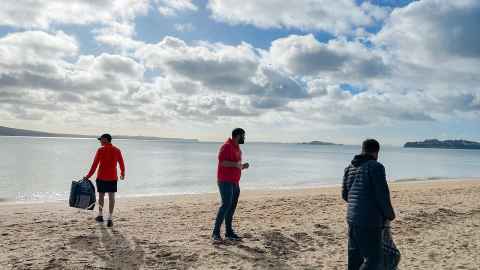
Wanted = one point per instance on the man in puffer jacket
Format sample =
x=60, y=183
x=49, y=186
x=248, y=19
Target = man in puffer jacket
x=365, y=189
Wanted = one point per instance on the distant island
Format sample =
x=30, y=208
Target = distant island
x=448, y=144
x=319, y=143
x=6, y=131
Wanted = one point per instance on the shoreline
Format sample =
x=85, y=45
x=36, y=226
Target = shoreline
x=318, y=187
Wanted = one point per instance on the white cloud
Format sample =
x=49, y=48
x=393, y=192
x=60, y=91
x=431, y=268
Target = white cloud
x=337, y=17
x=422, y=66
x=186, y=27
x=36, y=46
x=42, y=14
x=172, y=7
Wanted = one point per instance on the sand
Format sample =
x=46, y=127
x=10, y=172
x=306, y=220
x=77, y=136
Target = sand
x=438, y=227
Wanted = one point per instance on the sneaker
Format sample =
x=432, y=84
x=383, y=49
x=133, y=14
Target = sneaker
x=233, y=237
x=109, y=223
x=99, y=219
x=216, y=238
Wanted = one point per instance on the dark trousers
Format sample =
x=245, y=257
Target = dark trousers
x=229, y=193
x=364, y=248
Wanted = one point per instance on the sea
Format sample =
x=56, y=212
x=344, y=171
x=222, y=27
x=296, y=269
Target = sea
x=41, y=169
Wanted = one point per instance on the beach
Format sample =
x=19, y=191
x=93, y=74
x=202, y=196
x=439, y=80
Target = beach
x=437, y=227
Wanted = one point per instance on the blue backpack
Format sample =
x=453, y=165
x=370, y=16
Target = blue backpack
x=82, y=195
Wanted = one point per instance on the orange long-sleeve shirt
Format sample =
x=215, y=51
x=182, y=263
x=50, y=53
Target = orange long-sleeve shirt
x=107, y=157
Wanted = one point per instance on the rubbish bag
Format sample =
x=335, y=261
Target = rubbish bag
x=391, y=254
x=82, y=195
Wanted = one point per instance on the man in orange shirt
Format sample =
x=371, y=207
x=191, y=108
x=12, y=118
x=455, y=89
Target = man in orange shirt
x=107, y=157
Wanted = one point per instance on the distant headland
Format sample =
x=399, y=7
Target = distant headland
x=6, y=131
x=319, y=143
x=448, y=144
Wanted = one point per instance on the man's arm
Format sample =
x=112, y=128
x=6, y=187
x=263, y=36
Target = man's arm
x=94, y=165
x=345, y=186
x=382, y=193
x=232, y=164
x=122, y=165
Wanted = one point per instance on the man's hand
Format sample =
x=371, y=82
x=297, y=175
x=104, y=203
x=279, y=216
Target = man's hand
x=122, y=177
x=387, y=223
x=85, y=178
x=245, y=166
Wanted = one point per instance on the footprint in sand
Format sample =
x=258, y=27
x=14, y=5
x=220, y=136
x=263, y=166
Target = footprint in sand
x=279, y=244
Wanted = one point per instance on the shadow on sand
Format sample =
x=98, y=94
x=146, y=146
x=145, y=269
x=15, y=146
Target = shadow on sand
x=112, y=248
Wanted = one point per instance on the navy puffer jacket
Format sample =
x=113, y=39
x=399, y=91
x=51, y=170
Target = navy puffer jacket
x=366, y=190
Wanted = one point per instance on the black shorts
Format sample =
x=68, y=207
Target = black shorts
x=106, y=186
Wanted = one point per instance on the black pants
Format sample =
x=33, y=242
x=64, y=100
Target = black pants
x=364, y=248
x=229, y=193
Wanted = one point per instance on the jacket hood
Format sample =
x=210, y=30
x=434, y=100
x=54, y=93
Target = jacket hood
x=358, y=160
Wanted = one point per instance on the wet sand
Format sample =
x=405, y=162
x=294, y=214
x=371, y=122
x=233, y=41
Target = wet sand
x=438, y=227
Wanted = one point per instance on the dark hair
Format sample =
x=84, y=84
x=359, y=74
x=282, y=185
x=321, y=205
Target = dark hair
x=370, y=146
x=106, y=136
x=237, y=131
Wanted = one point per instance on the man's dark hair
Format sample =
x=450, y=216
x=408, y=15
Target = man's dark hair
x=106, y=136
x=370, y=146
x=237, y=131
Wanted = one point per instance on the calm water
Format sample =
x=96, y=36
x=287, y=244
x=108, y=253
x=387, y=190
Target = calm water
x=42, y=168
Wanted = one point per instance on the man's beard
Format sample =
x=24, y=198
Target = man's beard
x=241, y=141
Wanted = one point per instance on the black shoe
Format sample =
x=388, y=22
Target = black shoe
x=233, y=237
x=109, y=223
x=216, y=238
x=99, y=219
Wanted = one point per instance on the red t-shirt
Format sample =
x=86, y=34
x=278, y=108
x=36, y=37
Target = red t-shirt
x=229, y=152
x=107, y=156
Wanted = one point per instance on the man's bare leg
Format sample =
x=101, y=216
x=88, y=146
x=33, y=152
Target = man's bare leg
x=101, y=199
x=111, y=203
x=111, y=206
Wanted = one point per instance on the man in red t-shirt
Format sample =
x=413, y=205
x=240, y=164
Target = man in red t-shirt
x=107, y=157
x=230, y=168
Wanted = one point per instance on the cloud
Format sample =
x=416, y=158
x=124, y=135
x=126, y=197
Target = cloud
x=433, y=32
x=306, y=56
x=172, y=7
x=116, y=65
x=216, y=66
x=220, y=68
x=331, y=16
x=42, y=14
x=186, y=27
x=422, y=66
x=35, y=46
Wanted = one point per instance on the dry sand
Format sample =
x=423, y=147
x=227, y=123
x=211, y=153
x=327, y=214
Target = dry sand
x=438, y=227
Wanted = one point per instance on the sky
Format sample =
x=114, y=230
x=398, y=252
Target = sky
x=285, y=71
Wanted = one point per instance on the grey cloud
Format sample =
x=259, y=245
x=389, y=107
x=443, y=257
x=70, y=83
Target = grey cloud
x=313, y=62
x=79, y=85
x=228, y=75
x=268, y=102
x=431, y=32
x=306, y=56
x=117, y=65
x=273, y=83
x=70, y=97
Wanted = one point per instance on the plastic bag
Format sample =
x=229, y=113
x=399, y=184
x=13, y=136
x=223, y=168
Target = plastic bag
x=391, y=254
